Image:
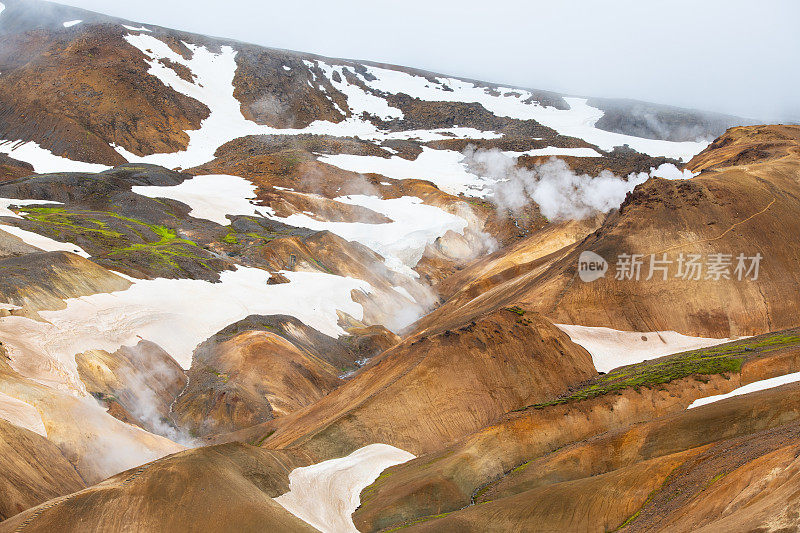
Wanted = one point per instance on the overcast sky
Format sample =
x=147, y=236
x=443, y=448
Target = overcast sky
x=734, y=56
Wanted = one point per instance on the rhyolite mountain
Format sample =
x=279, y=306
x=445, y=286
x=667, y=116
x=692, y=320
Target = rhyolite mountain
x=253, y=289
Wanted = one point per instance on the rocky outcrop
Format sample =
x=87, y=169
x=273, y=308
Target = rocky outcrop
x=11, y=169
x=43, y=280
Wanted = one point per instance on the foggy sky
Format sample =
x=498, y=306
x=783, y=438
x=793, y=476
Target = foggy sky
x=733, y=56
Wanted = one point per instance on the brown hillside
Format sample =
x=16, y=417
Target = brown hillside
x=737, y=207
x=32, y=471
x=430, y=390
x=459, y=474
x=223, y=488
x=258, y=369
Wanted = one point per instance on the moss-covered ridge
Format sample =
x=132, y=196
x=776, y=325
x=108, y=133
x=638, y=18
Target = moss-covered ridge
x=121, y=241
x=704, y=362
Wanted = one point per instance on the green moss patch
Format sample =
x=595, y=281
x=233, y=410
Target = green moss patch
x=119, y=239
x=705, y=362
x=516, y=310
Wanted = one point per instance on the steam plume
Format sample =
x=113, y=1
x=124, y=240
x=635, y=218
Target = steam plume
x=560, y=193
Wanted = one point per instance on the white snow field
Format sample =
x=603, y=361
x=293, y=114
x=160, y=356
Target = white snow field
x=401, y=242
x=43, y=160
x=444, y=168
x=21, y=414
x=175, y=314
x=326, y=494
x=612, y=348
x=71, y=23
x=211, y=197
x=747, y=389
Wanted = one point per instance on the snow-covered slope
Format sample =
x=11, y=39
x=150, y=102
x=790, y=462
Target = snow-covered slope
x=612, y=348
x=756, y=386
x=326, y=494
x=361, y=100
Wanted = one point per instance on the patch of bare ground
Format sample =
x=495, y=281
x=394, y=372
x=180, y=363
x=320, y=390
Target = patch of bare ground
x=701, y=471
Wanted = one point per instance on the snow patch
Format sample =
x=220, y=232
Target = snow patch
x=326, y=494
x=401, y=242
x=555, y=150
x=211, y=197
x=441, y=134
x=44, y=243
x=43, y=160
x=71, y=23
x=404, y=292
x=134, y=28
x=212, y=86
x=21, y=414
x=358, y=100
x=444, y=168
x=611, y=348
x=176, y=314
x=747, y=389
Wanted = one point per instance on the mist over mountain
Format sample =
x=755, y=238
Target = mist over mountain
x=247, y=288
x=678, y=53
